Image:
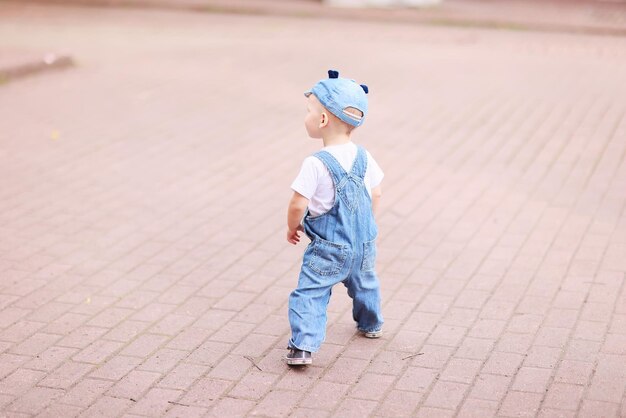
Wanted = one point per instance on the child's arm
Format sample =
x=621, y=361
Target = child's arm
x=297, y=207
x=376, y=194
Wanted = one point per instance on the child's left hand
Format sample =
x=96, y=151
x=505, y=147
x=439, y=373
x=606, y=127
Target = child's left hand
x=293, y=236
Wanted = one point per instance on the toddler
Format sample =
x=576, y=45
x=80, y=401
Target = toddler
x=334, y=201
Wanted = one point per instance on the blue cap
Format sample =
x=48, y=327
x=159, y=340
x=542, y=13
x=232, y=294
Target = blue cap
x=337, y=94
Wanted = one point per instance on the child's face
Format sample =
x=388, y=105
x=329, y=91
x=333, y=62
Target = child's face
x=314, y=117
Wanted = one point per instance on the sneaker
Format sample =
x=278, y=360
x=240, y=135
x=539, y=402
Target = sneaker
x=297, y=357
x=373, y=334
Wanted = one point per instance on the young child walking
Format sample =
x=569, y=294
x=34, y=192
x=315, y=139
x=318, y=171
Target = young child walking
x=334, y=201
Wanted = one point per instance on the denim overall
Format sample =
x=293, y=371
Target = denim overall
x=342, y=249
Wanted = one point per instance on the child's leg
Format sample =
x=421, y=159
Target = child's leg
x=364, y=289
x=307, y=311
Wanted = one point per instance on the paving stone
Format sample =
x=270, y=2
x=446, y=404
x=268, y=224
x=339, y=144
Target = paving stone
x=116, y=367
x=531, y=379
x=134, y=384
x=230, y=407
x=277, y=403
x=35, y=400
x=20, y=381
x=416, y=379
x=86, y=392
x=490, y=387
x=564, y=396
x=372, y=386
x=253, y=385
x=447, y=395
x=60, y=410
x=520, y=404
x=66, y=375
x=356, y=407
x=478, y=408
x=503, y=363
x=400, y=403
x=106, y=406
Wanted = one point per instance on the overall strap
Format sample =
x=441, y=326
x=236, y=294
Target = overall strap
x=359, y=167
x=333, y=166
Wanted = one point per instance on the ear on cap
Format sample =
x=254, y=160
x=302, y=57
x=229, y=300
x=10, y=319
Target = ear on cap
x=333, y=74
x=365, y=88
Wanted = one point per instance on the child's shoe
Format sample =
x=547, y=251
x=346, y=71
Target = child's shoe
x=373, y=334
x=297, y=357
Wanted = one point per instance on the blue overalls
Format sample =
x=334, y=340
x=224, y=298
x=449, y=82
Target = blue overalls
x=342, y=249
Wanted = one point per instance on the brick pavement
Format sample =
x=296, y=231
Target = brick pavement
x=143, y=268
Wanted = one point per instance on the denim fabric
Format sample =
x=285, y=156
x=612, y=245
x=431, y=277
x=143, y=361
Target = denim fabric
x=342, y=249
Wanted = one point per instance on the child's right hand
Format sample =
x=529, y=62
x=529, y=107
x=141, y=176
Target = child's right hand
x=293, y=235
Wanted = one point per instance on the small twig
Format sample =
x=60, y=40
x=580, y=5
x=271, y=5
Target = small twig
x=412, y=355
x=177, y=403
x=253, y=362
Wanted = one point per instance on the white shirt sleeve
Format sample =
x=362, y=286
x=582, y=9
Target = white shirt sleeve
x=374, y=172
x=307, y=180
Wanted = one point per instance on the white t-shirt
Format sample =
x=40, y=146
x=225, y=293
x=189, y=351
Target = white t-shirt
x=315, y=183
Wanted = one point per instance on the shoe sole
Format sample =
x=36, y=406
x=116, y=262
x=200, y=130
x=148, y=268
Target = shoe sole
x=299, y=362
x=373, y=334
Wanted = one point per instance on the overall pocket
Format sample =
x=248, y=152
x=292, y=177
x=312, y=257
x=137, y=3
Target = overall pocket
x=327, y=258
x=369, y=256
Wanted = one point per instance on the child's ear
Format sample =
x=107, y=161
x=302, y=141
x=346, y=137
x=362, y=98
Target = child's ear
x=323, y=120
